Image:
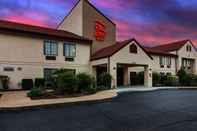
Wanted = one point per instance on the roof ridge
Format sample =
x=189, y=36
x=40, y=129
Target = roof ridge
x=175, y=42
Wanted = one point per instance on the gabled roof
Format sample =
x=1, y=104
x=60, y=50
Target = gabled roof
x=158, y=52
x=37, y=31
x=87, y=1
x=171, y=46
x=111, y=50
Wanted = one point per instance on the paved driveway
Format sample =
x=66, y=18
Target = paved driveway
x=167, y=110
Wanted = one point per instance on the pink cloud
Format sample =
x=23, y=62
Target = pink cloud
x=153, y=34
x=23, y=20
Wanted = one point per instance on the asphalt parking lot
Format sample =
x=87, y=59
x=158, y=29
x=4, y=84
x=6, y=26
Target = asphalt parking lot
x=165, y=110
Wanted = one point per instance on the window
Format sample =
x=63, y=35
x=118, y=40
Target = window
x=48, y=72
x=8, y=69
x=133, y=48
x=188, y=48
x=69, y=51
x=162, y=61
x=50, y=48
x=168, y=61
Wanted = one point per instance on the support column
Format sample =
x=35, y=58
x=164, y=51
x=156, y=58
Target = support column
x=113, y=73
x=147, y=77
x=126, y=79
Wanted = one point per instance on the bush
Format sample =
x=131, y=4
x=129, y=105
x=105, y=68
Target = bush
x=156, y=79
x=65, y=82
x=84, y=82
x=39, y=82
x=171, y=80
x=35, y=92
x=5, y=82
x=193, y=81
x=27, y=84
x=105, y=81
x=183, y=77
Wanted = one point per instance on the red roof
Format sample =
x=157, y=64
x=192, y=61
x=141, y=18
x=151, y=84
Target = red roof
x=158, y=52
x=23, y=29
x=171, y=46
x=110, y=50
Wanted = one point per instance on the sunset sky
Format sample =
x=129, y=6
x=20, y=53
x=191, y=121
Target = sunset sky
x=151, y=22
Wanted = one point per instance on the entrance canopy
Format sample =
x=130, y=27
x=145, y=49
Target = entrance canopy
x=128, y=53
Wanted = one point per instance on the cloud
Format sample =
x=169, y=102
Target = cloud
x=150, y=21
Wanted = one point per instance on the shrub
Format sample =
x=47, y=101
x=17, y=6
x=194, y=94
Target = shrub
x=193, y=81
x=171, y=80
x=65, y=82
x=39, y=82
x=5, y=82
x=140, y=77
x=156, y=79
x=27, y=84
x=105, y=81
x=35, y=92
x=84, y=82
x=183, y=77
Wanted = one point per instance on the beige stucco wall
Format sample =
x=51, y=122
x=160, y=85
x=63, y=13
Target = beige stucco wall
x=74, y=21
x=82, y=21
x=182, y=53
x=27, y=53
x=125, y=57
x=156, y=65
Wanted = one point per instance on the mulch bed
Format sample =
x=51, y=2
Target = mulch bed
x=51, y=95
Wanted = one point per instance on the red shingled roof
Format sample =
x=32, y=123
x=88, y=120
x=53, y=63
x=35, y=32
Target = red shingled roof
x=171, y=46
x=23, y=29
x=110, y=50
x=158, y=52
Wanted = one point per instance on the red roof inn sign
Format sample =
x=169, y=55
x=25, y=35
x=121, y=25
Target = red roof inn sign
x=100, y=31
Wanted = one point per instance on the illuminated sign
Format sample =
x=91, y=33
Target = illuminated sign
x=100, y=31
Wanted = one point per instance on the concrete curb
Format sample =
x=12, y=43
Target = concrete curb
x=144, y=89
x=56, y=105
x=98, y=99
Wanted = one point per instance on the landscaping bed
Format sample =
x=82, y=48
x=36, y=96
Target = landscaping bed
x=53, y=95
x=65, y=85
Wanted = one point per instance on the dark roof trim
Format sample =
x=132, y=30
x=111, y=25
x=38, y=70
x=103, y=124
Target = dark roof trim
x=91, y=6
x=118, y=49
x=13, y=28
x=100, y=12
x=161, y=54
x=143, y=49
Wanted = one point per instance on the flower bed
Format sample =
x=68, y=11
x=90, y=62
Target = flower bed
x=53, y=95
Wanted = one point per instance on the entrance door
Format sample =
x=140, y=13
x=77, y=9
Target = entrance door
x=120, y=76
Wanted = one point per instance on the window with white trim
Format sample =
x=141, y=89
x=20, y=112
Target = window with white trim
x=50, y=48
x=69, y=51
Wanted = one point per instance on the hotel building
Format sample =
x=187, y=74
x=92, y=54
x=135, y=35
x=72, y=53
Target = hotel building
x=85, y=41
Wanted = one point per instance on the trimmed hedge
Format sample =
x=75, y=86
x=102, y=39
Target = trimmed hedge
x=35, y=92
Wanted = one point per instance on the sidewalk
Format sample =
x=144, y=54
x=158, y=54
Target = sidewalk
x=19, y=99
